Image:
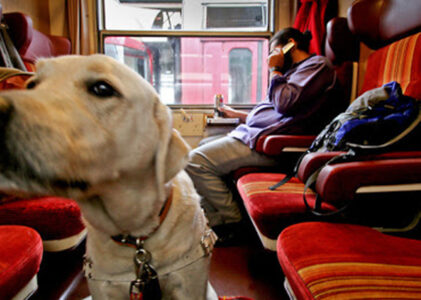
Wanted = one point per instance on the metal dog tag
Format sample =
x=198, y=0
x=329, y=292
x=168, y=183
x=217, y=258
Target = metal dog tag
x=136, y=289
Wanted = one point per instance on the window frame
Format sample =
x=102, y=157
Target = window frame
x=104, y=33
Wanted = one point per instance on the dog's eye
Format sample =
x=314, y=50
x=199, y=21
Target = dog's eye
x=102, y=89
x=30, y=85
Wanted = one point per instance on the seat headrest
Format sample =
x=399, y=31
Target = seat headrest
x=340, y=44
x=381, y=22
x=31, y=43
x=20, y=30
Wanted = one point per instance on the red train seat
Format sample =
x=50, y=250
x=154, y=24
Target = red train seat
x=58, y=220
x=338, y=184
x=340, y=261
x=325, y=260
x=398, y=61
x=20, y=259
x=31, y=43
x=271, y=211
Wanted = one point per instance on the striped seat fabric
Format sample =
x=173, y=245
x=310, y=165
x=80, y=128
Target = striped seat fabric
x=339, y=261
x=396, y=62
x=271, y=211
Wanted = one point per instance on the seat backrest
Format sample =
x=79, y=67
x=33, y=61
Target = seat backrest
x=341, y=44
x=342, y=49
x=31, y=43
x=401, y=62
x=392, y=29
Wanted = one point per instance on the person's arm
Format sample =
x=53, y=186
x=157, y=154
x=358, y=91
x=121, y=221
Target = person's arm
x=305, y=84
x=229, y=112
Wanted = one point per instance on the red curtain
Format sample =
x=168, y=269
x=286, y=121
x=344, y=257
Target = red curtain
x=313, y=15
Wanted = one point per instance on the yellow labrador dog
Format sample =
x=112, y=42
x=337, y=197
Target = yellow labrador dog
x=89, y=128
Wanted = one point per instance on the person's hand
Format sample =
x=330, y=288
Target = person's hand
x=276, y=58
x=229, y=112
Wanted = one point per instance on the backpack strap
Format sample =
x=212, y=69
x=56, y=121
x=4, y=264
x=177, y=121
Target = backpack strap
x=317, y=209
x=284, y=180
x=290, y=174
x=315, y=146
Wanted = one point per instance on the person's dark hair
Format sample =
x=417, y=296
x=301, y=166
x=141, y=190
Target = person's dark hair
x=302, y=39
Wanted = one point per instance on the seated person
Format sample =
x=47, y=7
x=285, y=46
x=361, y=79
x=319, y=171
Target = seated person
x=299, y=100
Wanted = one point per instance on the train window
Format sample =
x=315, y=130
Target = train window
x=218, y=16
x=240, y=61
x=190, y=50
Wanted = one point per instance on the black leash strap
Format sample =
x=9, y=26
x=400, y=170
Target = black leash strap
x=289, y=175
x=282, y=182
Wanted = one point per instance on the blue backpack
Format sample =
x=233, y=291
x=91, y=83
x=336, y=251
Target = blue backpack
x=379, y=120
x=376, y=120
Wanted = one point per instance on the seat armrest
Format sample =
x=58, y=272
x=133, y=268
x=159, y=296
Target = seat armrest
x=277, y=144
x=340, y=182
x=313, y=161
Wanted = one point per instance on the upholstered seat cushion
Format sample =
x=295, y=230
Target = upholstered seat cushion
x=20, y=258
x=53, y=217
x=270, y=210
x=339, y=261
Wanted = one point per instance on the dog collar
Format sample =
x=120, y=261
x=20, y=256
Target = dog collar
x=146, y=276
x=136, y=242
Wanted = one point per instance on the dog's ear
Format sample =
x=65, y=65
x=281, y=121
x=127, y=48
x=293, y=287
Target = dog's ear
x=177, y=155
x=172, y=152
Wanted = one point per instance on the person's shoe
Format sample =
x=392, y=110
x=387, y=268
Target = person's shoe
x=230, y=234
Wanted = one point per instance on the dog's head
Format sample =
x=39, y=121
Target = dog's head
x=85, y=126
